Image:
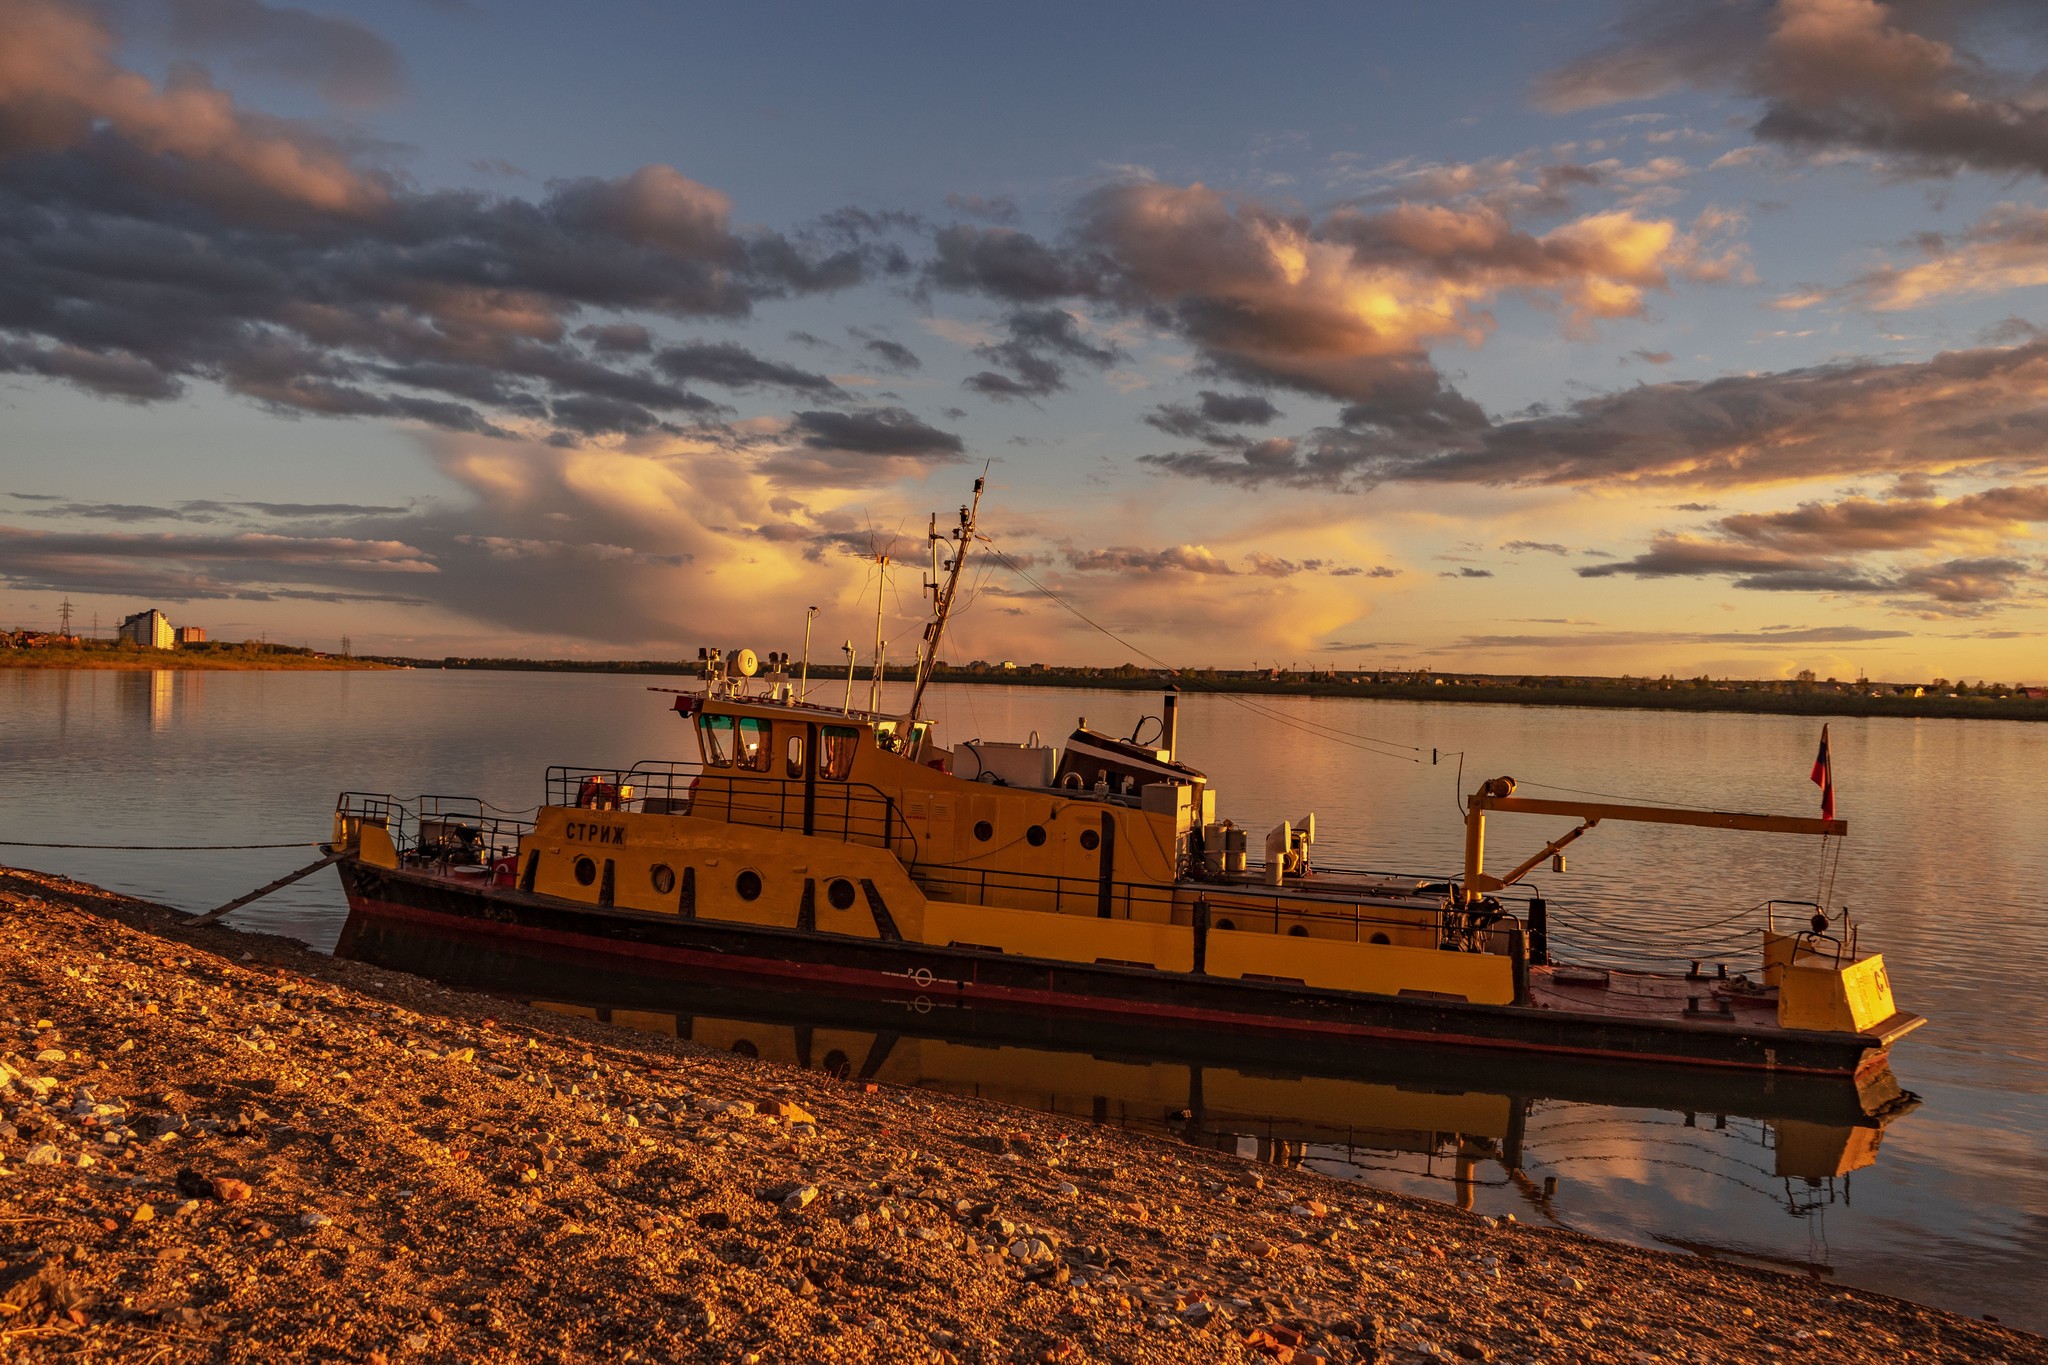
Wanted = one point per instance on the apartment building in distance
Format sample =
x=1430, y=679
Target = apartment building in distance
x=150, y=629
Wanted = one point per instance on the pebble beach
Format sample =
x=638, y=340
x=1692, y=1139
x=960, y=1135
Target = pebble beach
x=218, y=1145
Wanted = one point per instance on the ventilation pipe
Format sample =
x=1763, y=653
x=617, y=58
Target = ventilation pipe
x=1169, y=725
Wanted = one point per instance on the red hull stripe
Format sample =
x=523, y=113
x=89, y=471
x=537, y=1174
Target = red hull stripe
x=1044, y=1000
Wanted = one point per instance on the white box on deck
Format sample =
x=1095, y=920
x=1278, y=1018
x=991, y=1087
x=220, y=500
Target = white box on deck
x=1170, y=798
x=1018, y=765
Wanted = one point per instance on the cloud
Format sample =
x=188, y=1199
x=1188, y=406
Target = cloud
x=891, y=432
x=892, y=355
x=1854, y=524
x=1865, y=546
x=1894, y=81
x=347, y=63
x=1039, y=339
x=1467, y=572
x=252, y=566
x=1237, y=409
x=1345, y=308
x=60, y=91
x=617, y=338
x=2004, y=250
x=1206, y=421
x=151, y=236
x=1638, y=639
x=1966, y=587
x=112, y=376
x=1518, y=546
x=1527, y=183
x=1007, y=264
x=733, y=366
x=1979, y=411
x=199, y=510
x=1127, y=559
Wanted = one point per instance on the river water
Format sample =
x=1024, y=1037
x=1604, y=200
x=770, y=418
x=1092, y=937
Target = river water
x=1946, y=870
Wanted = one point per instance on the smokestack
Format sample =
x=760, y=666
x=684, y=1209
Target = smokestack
x=1169, y=729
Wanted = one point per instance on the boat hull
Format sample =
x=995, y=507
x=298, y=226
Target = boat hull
x=387, y=902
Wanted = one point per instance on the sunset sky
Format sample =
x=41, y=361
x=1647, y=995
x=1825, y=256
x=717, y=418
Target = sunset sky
x=1687, y=337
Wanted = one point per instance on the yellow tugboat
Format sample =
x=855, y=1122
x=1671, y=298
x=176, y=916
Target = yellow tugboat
x=848, y=850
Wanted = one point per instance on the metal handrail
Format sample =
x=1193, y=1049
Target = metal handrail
x=446, y=831
x=1846, y=943
x=1125, y=896
x=650, y=786
x=855, y=812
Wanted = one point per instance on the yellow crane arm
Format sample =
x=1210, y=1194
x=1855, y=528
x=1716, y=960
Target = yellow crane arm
x=1497, y=795
x=1663, y=815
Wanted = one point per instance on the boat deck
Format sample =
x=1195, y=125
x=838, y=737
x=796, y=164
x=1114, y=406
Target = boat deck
x=1703, y=1001
x=1648, y=995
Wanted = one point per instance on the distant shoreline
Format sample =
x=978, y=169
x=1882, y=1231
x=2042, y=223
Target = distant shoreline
x=1646, y=696
x=139, y=661
x=1820, y=699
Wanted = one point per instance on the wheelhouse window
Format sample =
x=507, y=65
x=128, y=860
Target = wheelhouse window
x=753, y=741
x=715, y=736
x=835, y=754
x=793, y=760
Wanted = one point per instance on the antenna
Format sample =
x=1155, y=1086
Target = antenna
x=848, y=707
x=942, y=597
x=803, y=687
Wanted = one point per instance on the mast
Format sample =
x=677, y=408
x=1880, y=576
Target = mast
x=942, y=594
x=881, y=587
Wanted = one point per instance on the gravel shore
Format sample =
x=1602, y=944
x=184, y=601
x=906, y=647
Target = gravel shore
x=220, y=1146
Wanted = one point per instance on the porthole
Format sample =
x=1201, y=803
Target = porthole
x=984, y=831
x=663, y=877
x=837, y=1065
x=748, y=884
x=1090, y=840
x=586, y=871
x=1379, y=938
x=839, y=893
x=1035, y=836
x=1226, y=924
x=1298, y=931
x=745, y=1048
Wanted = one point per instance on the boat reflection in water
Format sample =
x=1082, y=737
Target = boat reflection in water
x=1545, y=1138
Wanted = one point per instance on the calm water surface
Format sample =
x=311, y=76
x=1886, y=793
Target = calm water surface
x=1946, y=869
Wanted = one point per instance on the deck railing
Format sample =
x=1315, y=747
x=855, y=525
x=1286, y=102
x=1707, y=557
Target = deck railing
x=652, y=787
x=436, y=830
x=852, y=812
x=1231, y=905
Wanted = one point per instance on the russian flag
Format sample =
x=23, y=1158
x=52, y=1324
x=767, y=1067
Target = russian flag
x=1824, y=777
